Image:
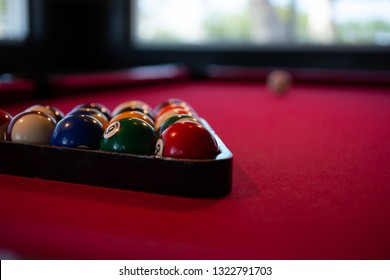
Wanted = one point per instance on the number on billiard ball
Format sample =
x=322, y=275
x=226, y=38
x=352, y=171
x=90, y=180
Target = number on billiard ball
x=133, y=136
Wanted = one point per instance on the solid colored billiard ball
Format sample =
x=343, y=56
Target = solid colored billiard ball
x=31, y=128
x=133, y=114
x=134, y=105
x=133, y=136
x=279, y=81
x=93, y=113
x=96, y=106
x=182, y=117
x=77, y=131
x=5, y=119
x=47, y=109
x=187, y=140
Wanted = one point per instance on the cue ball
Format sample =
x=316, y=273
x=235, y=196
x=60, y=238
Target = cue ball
x=279, y=81
x=49, y=110
x=31, y=128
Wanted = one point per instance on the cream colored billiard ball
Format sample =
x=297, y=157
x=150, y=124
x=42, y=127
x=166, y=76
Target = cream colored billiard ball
x=31, y=128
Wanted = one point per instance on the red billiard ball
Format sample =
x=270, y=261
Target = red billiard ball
x=5, y=119
x=279, y=81
x=96, y=106
x=187, y=140
x=77, y=131
x=47, y=109
x=31, y=128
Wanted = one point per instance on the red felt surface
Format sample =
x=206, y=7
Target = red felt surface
x=311, y=180
x=15, y=89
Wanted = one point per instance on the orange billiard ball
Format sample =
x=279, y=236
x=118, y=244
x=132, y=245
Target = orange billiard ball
x=133, y=114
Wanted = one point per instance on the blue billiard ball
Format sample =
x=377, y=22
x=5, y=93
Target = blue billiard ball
x=78, y=131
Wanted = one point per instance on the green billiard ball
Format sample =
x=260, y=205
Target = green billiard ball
x=133, y=136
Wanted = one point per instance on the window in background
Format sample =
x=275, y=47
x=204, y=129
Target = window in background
x=262, y=22
x=13, y=20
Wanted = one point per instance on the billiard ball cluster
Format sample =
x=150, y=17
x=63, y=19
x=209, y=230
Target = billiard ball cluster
x=171, y=130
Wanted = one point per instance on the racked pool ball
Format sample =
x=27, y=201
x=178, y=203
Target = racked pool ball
x=279, y=82
x=93, y=113
x=31, y=128
x=174, y=106
x=171, y=113
x=187, y=140
x=176, y=118
x=134, y=105
x=96, y=106
x=78, y=131
x=49, y=110
x=133, y=136
x=169, y=102
x=133, y=114
x=5, y=119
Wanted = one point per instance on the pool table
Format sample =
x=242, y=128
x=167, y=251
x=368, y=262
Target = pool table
x=311, y=180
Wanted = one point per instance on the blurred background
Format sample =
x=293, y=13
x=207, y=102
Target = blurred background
x=90, y=35
x=261, y=22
